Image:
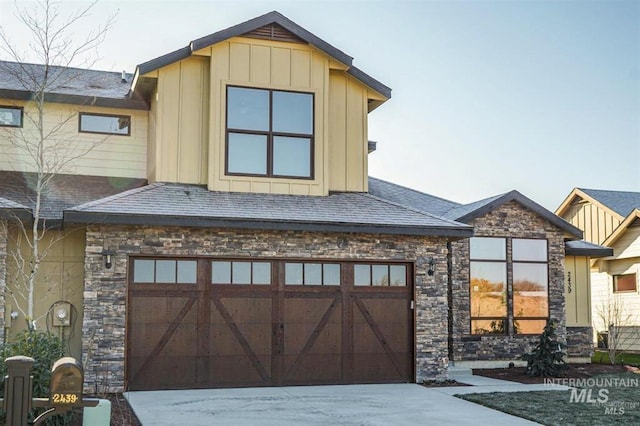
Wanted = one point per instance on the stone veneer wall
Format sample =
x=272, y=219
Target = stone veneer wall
x=105, y=290
x=3, y=272
x=509, y=220
x=579, y=342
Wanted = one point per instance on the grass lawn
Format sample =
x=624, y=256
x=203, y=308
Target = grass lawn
x=555, y=407
x=602, y=357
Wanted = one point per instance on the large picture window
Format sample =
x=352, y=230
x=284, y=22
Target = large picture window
x=494, y=304
x=269, y=133
x=488, y=285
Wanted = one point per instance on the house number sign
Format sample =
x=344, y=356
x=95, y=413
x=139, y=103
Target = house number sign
x=569, y=282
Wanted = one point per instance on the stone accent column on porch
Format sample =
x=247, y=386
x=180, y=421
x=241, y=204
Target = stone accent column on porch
x=580, y=342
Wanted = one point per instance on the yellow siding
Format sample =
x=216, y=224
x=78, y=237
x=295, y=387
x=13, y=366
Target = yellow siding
x=60, y=278
x=270, y=65
x=347, y=134
x=91, y=154
x=627, y=246
x=596, y=222
x=181, y=124
x=154, y=134
x=577, y=291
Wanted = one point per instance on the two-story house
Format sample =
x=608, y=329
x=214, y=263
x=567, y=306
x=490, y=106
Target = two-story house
x=223, y=230
x=611, y=219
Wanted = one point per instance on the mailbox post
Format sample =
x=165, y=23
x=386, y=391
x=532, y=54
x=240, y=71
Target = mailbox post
x=65, y=393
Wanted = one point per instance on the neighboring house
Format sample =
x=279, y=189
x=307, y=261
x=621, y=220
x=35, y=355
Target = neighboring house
x=611, y=219
x=226, y=232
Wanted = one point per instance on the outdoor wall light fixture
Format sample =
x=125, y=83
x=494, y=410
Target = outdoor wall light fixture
x=14, y=315
x=108, y=258
x=430, y=271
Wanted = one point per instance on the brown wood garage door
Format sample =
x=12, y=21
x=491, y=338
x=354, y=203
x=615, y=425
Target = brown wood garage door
x=202, y=323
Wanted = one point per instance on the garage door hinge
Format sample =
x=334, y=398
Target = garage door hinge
x=412, y=305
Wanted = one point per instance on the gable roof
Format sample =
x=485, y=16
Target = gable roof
x=621, y=202
x=626, y=223
x=68, y=85
x=253, y=24
x=618, y=203
x=62, y=192
x=172, y=204
x=474, y=210
x=462, y=212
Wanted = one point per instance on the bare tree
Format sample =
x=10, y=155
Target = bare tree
x=46, y=145
x=617, y=322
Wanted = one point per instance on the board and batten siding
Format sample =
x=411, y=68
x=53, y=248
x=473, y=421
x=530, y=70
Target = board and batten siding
x=596, y=222
x=577, y=288
x=340, y=113
x=92, y=154
x=178, y=123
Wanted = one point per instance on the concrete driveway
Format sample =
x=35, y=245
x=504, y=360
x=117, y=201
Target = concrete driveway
x=394, y=404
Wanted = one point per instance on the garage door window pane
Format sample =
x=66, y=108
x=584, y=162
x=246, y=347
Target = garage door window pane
x=361, y=275
x=261, y=273
x=165, y=271
x=241, y=273
x=293, y=274
x=221, y=272
x=380, y=275
x=143, y=271
x=331, y=272
x=398, y=276
x=312, y=274
x=187, y=271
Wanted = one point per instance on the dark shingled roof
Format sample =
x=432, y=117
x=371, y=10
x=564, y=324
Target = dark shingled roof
x=193, y=205
x=458, y=212
x=255, y=23
x=585, y=248
x=410, y=197
x=64, y=191
x=621, y=202
x=68, y=85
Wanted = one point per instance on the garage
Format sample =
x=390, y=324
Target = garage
x=210, y=323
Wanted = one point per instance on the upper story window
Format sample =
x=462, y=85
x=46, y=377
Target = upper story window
x=105, y=124
x=269, y=133
x=10, y=116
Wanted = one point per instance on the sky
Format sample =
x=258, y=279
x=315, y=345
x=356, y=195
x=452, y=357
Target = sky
x=488, y=96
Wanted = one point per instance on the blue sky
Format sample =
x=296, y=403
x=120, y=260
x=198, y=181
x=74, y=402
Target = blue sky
x=488, y=96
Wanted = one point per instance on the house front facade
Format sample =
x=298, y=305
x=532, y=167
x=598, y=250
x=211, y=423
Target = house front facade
x=611, y=219
x=223, y=230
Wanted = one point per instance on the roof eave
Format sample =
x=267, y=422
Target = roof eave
x=25, y=95
x=590, y=252
x=72, y=216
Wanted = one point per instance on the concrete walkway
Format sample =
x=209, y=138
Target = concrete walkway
x=393, y=404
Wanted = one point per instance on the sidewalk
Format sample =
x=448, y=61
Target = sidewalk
x=481, y=384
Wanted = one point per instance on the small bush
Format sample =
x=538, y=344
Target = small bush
x=45, y=348
x=547, y=357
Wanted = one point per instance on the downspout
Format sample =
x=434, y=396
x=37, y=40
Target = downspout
x=450, y=301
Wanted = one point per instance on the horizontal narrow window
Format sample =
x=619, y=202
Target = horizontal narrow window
x=311, y=273
x=10, y=116
x=240, y=272
x=105, y=124
x=624, y=283
x=164, y=271
x=380, y=275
